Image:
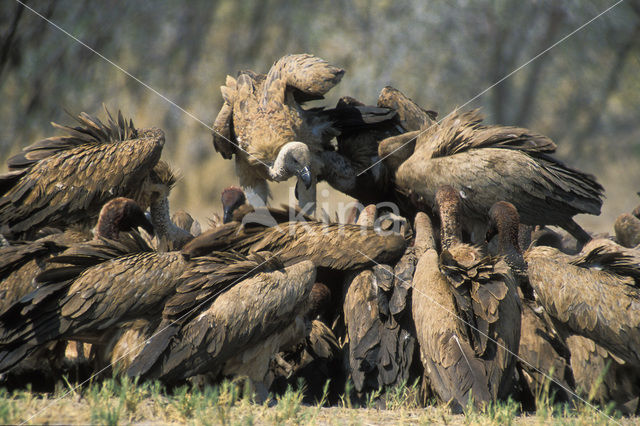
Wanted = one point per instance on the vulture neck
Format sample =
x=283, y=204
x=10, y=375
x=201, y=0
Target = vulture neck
x=509, y=248
x=278, y=171
x=166, y=231
x=450, y=225
x=424, y=234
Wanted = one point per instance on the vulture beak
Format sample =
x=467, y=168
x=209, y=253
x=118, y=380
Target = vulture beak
x=304, y=175
x=227, y=214
x=491, y=232
x=146, y=224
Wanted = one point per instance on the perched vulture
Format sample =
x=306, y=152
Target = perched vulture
x=234, y=330
x=569, y=287
x=381, y=335
x=22, y=262
x=467, y=314
x=111, y=284
x=263, y=123
x=486, y=164
x=543, y=354
x=67, y=179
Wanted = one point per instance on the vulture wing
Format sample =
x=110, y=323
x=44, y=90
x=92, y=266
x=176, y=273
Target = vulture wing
x=237, y=319
x=305, y=73
x=66, y=179
x=78, y=302
x=459, y=132
x=569, y=292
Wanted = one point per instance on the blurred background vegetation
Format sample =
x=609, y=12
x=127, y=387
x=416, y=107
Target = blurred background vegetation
x=584, y=93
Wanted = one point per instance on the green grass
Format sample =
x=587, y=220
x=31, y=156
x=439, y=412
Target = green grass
x=124, y=401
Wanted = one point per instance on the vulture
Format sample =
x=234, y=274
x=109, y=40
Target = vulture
x=274, y=138
x=486, y=164
x=317, y=358
x=329, y=245
x=467, y=314
x=295, y=245
x=231, y=331
x=67, y=179
x=380, y=331
x=76, y=302
x=543, y=353
x=568, y=287
x=627, y=229
x=359, y=171
x=22, y=262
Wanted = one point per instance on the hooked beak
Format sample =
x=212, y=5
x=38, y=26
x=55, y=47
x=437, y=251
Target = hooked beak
x=146, y=224
x=491, y=232
x=304, y=175
x=227, y=214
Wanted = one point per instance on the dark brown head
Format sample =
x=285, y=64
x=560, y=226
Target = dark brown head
x=448, y=205
x=121, y=215
x=232, y=198
x=636, y=212
x=504, y=221
x=319, y=300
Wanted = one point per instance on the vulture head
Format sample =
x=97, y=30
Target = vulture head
x=232, y=198
x=121, y=214
x=294, y=159
x=504, y=221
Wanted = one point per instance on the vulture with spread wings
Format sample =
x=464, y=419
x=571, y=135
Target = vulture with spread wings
x=274, y=138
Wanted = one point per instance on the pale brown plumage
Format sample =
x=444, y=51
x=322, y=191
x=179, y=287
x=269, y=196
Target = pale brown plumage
x=67, y=179
x=328, y=245
x=396, y=149
x=78, y=303
x=605, y=276
x=602, y=377
x=569, y=287
x=468, y=323
x=543, y=357
x=262, y=114
x=486, y=164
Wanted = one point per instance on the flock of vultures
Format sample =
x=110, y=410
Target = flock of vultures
x=443, y=274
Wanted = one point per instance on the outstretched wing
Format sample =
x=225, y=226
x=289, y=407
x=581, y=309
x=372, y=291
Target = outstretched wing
x=66, y=179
